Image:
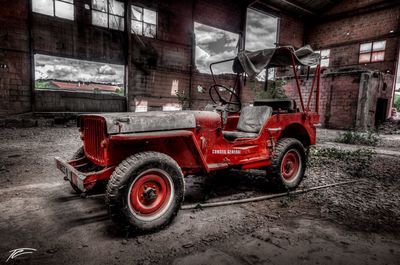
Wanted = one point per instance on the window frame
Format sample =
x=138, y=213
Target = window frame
x=371, y=52
x=108, y=15
x=266, y=13
x=97, y=61
x=325, y=58
x=143, y=22
x=54, y=9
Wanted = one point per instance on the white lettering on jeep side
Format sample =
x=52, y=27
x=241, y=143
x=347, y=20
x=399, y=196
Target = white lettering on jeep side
x=225, y=152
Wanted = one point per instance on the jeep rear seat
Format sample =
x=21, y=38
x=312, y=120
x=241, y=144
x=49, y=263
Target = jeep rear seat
x=250, y=121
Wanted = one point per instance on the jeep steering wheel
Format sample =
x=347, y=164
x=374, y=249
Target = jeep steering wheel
x=222, y=100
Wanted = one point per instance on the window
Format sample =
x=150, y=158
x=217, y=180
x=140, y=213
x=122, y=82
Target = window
x=212, y=45
x=55, y=8
x=261, y=33
x=58, y=73
x=325, y=57
x=372, y=52
x=144, y=22
x=108, y=14
x=261, y=30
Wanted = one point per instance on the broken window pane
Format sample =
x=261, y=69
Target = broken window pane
x=99, y=19
x=117, y=8
x=144, y=22
x=136, y=27
x=43, y=7
x=137, y=12
x=111, y=17
x=261, y=30
x=379, y=46
x=117, y=22
x=149, y=16
x=365, y=47
x=100, y=5
x=378, y=56
x=149, y=30
x=64, y=10
x=57, y=73
x=213, y=44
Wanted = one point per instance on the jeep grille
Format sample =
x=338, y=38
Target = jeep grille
x=94, y=134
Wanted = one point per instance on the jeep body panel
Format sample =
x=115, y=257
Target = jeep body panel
x=201, y=148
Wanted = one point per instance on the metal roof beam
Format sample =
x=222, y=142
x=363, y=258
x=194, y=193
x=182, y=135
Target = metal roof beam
x=298, y=7
x=275, y=6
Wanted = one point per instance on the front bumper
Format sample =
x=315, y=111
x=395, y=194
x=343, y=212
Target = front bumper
x=84, y=181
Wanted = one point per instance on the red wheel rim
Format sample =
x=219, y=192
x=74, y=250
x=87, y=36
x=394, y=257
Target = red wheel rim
x=150, y=193
x=290, y=165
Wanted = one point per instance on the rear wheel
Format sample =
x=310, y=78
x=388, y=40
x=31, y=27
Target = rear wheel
x=288, y=164
x=145, y=191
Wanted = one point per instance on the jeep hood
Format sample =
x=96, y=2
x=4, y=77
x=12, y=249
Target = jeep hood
x=131, y=122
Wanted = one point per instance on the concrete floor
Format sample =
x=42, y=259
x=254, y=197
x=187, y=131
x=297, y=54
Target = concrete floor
x=332, y=226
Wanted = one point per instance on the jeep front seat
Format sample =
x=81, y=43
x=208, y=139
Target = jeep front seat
x=250, y=121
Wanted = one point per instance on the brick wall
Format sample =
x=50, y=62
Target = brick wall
x=156, y=82
x=350, y=23
x=65, y=101
x=224, y=14
x=342, y=96
x=77, y=39
x=338, y=99
x=15, y=93
x=342, y=29
x=291, y=31
x=157, y=68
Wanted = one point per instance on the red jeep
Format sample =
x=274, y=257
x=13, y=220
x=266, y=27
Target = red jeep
x=145, y=156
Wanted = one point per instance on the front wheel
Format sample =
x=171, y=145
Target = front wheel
x=145, y=191
x=288, y=164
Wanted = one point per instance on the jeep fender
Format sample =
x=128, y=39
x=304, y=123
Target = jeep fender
x=181, y=145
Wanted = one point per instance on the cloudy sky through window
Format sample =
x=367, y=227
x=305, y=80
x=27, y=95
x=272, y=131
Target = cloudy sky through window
x=261, y=33
x=213, y=44
x=65, y=69
x=261, y=30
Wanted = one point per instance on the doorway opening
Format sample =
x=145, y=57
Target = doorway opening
x=381, y=111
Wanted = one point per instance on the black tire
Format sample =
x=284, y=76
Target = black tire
x=282, y=176
x=78, y=154
x=128, y=175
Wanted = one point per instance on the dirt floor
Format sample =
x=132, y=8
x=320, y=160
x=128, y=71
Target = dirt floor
x=357, y=223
